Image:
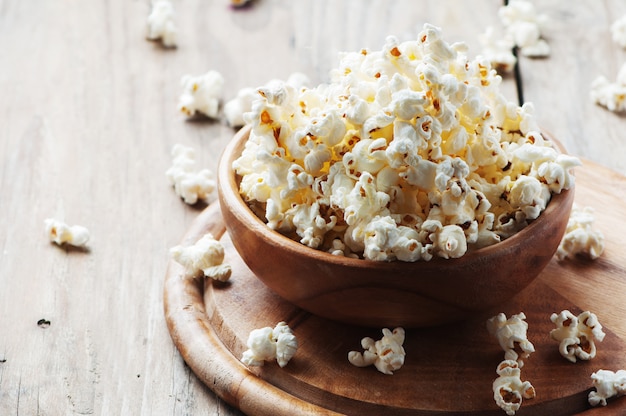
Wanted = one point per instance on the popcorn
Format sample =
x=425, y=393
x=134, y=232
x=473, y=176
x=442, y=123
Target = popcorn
x=204, y=258
x=451, y=242
x=385, y=240
x=234, y=109
x=409, y=152
x=580, y=237
x=160, y=23
x=608, y=384
x=524, y=25
x=611, y=95
x=61, y=233
x=190, y=184
x=242, y=103
x=511, y=334
x=508, y=388
x=266, y=344
x=577, y=335
x=618, y=31
x=239, y=3
x=498, y=50
x=387, y=354
x=201, y=94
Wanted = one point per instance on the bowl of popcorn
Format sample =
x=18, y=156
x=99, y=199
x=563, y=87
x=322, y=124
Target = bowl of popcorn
x=405, y=192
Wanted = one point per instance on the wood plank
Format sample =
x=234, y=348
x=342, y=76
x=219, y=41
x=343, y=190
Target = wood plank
x=88, y=120
x=559, y=85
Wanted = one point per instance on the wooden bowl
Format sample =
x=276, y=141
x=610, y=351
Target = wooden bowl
x=387, y=294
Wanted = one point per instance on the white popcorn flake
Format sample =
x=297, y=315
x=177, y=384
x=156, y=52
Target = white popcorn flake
x=387, y=354
x=580, y=237
x=235, y=108
x=539, y=49
x=204, y=258
x=267, y=344
x=611, y=95
x=201, y=94
x=508, y=388
x=160, y=23
x=498, y=50
x=385, y=240
x=413, y=135
x=524, y=25
x=511, y=335
x=242, y=103
x=451, y=242
x=618, y=31
x=577, y=335
x=60, y=233
x=608, y=384
x=190, y=183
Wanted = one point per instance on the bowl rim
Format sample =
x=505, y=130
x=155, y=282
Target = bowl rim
x=228, y=191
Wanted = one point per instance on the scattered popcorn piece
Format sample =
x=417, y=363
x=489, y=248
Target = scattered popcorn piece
x=387, y=354
x=498, y=50
x=539, y=49
x=189, y=183
x=618, y=31
x=266, y=344
x=508, y=388
x=524, y=24
x=204, y=258
x=608, y=384
x=409, y=153
x=201, y=94
x=511, y=334
x=242, y=103
x=161, y=23
x=239, y=3
x=61, y=233
x=577, y=334
x=580, y=237
x=611, y=95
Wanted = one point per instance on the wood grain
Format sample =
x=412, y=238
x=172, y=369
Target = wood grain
x=561, y=92
x=88, y=118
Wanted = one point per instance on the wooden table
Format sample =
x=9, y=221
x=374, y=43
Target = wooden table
x=87, y=121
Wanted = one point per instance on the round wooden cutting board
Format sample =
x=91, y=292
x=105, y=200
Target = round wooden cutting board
x=448, y=370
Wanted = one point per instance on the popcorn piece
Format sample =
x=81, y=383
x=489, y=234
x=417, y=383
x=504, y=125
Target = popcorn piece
x=508, y=388
x=611, y=95
x=608, y=384
x=410, y=152
x=201, y=94
x=161, y=23
x=242, y=103
x=266, y=344
x=387, y=354
x=511, y=334
x=618, y=31
x=190, y=184
x=239, y=3
x=451, y=242
x=61, y=233
x=580, y=237
x=577, y=334
x=498, y=50
x=204, y=258
x=524, y=24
